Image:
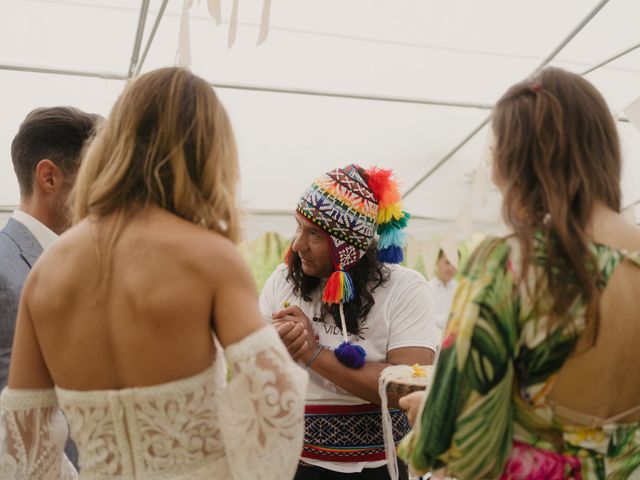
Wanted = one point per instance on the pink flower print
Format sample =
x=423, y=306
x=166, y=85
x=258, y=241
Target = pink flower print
x=449, y=340
x=529, y=463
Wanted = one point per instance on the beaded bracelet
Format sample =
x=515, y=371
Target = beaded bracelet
x=314, y=355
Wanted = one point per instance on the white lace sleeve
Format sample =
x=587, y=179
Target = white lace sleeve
x=262, y=409
x=33, y=432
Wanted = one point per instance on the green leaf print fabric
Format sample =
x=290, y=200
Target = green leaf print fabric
x=486, y=415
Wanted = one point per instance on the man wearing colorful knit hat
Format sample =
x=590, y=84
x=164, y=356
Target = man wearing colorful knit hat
x=346, y=315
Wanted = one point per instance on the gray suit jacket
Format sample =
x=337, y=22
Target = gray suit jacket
x=19, y=250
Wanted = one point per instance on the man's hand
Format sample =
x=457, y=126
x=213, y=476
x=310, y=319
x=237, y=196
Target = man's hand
x=411, y=403
x=296, y=332
x=293, y=336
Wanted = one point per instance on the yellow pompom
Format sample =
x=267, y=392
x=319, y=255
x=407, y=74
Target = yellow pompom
x=392, y=212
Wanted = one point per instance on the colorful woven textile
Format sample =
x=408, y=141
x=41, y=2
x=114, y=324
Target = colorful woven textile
x=348, y=433
x=341, y=203
x=351, y=205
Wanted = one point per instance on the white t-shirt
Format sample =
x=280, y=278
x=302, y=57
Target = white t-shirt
x=402, y=316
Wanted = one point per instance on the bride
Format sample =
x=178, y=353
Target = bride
x=125, y=323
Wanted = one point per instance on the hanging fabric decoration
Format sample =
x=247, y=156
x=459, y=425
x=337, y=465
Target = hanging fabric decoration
x=633, y=113
x=464, y=220
x=184, y=37
x=449, y=246
x=183, y=54
x=264, y=22
x=233, y=24
x=214, y=10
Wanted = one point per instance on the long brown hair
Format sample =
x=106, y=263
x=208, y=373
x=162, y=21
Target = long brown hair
x=557, y=153
x=168, y=142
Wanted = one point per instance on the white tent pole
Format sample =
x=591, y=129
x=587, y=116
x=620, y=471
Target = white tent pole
x=611, y=59
x=353, y=96
x=289, y=213
x=152, y=35
x=545, y=62
x=142, y=20
x=61, y=71
x=254, y=88
x=444, y=159
x=571, y=35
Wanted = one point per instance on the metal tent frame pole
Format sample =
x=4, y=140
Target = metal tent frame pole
x=473, y=133
x=152, y=36
x=137, y=42
x=63, y=71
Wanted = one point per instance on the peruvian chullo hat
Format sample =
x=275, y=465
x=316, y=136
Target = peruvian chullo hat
x=351, y=205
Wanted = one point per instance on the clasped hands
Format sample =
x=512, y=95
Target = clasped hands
x=296, y=332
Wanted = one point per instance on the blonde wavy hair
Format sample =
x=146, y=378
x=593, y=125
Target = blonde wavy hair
x=168, y=142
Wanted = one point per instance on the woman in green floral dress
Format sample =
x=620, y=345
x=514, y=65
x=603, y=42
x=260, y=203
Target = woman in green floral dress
x=538, y=372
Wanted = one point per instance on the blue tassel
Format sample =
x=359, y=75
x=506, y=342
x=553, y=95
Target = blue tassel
x=391, y=254
x=397, y=238
x=350, y=355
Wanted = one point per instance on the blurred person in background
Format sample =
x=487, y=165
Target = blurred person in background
x=444, y=287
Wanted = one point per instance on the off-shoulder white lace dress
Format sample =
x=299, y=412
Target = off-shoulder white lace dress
x=191, y=429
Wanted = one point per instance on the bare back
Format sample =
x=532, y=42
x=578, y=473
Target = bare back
x=602, y=380
x=150, y=321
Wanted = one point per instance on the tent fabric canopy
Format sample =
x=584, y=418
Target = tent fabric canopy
x=397, y=84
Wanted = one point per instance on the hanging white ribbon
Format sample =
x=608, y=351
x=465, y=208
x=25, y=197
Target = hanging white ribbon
x=429, y=253
x=464, y=221
x=264, y=23
x=233, y=24
x=214, y=10
x=412, y=253
x=184, y=37
x=633, y=113
x=449, y=246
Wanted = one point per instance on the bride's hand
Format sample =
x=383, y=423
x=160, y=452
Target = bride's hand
x=411, y=403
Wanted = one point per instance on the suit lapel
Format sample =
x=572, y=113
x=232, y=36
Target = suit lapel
x=30, y=248
x=30, y=259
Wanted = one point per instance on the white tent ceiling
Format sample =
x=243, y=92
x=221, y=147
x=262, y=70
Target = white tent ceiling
x=397, y=83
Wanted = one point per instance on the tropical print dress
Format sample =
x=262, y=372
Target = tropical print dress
x=487, y=415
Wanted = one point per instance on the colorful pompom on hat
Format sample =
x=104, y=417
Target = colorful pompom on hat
x=351, y=205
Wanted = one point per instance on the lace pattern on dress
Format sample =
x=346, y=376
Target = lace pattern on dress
x=193, y=428
x=33, y=432
x=261, y=411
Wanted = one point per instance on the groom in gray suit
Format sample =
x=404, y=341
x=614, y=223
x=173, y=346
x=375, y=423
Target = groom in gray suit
x=46, y=154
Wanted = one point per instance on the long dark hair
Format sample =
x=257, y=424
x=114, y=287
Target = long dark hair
x=556, y=153
x=367, y=275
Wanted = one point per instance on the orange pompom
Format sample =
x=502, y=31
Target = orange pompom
x=383, y=186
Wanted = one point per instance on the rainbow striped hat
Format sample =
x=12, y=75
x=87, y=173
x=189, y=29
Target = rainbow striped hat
x=351, y=205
